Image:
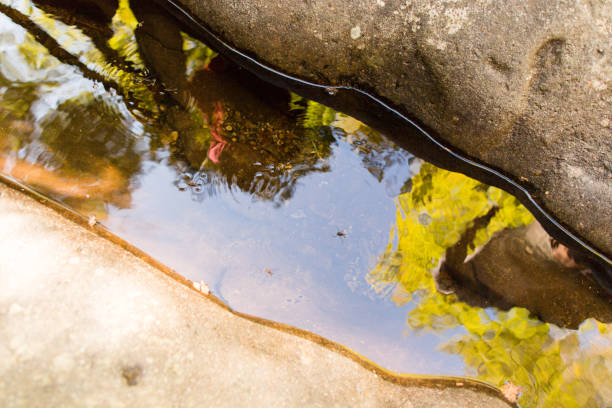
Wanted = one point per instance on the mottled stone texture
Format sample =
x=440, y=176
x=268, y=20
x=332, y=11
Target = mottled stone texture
x=523, y=85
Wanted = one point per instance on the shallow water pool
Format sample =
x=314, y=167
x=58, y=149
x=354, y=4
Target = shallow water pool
x=290, y=210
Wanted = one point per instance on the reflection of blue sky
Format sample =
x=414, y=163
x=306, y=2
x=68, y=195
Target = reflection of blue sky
x=318, y=278
x=229, y=240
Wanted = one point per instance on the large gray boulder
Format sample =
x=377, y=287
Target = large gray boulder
x=524, y=86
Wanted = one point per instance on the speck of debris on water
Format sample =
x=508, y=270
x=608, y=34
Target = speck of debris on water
x=92, y=220
x=268, y=271
x=424, y=219
x=201, y=287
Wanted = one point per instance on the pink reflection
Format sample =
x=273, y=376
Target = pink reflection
x=218, y=143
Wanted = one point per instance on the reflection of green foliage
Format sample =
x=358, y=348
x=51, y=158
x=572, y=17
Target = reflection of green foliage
x=377, y=153
x=123, y=40
x=35, y=54
x=16, y=98
x=197, y=54
x=553, y=371
x=548, y=363
x=554, y=367
x=74, y=41
x=15, y=103
x=296, y=102
x=105, y=142
x=431, y=218
x=316, y=115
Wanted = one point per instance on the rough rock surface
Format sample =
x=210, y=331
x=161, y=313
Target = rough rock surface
x=525, y=86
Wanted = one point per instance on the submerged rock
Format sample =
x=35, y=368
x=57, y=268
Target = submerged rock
x=522, y=86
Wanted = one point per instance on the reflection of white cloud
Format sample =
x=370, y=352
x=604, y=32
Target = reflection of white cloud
x=55, y=81
x=71, y=38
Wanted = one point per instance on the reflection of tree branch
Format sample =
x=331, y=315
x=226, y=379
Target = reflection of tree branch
x=448, y=280
x=107, y=182
x=98, y=33
x=53, y=46
x=456, y=254
x=56, y=50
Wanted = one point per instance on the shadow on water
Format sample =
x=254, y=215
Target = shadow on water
x=291, y=210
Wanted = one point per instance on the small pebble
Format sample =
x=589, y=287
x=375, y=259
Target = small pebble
x=131, y=374
x=511, y=391
x=201, y=287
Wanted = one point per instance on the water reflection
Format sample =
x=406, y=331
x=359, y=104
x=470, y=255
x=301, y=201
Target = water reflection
x=525, y=267
x=252, y=146
x=218, y=131
x=461, y=247
x=59, y=89
x=284, y=206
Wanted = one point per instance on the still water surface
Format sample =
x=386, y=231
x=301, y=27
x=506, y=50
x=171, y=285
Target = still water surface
x=289, y=210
